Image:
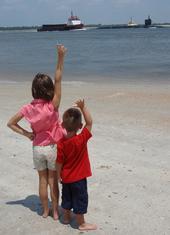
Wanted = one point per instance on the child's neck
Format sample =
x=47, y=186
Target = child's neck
x=70, y=134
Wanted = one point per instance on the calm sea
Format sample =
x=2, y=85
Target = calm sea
x=102, y=55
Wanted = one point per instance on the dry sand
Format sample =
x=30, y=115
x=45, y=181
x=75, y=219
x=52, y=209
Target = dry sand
x=129, y=152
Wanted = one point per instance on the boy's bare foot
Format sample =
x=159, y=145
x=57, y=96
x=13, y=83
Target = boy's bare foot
x=66, y=217
x=55, y=215
x=46, y=213
x=86, y=227
x=66, y=221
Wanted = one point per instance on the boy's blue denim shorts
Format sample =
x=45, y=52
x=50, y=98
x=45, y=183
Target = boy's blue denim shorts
x=75, y=196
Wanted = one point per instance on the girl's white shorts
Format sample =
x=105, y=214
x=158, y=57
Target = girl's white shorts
x=44, y=157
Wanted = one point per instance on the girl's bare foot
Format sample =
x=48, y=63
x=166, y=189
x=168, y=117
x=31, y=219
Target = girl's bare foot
x=55, y=215
x=86, y=227
x=46, y=213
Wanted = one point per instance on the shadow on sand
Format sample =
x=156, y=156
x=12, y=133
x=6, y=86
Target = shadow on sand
x=34, y=204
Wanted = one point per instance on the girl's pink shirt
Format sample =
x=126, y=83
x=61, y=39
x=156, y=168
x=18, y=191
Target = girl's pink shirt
x=44, y=121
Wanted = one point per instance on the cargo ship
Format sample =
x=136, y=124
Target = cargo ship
x=73, y=23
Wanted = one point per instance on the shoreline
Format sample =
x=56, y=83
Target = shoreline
x=92, y=79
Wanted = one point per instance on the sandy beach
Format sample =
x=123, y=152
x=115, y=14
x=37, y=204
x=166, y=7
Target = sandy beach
x=130, y=157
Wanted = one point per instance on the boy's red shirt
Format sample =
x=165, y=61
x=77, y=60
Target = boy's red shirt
x=73, y=154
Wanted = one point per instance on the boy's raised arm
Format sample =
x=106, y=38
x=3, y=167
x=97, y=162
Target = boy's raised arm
x=58, y=76
x=86, y=114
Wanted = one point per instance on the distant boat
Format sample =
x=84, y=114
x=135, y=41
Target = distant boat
x=148, y=22
x=131, y=23
x=73, y=23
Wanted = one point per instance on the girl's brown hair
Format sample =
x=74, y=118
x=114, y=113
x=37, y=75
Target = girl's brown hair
x=42, y=87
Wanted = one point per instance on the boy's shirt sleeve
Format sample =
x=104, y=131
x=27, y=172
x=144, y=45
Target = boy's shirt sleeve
x=60, y=154
x=84, y=136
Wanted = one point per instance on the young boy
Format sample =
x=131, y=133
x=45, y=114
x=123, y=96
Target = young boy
x=73, y=165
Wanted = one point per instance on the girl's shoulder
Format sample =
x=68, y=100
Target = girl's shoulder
x=42, y=104
x=26, y=108
x=38, y=106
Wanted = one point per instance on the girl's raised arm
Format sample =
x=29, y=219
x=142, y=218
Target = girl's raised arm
x=58, y=76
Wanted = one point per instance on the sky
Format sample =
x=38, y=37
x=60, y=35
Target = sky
x=38, y=12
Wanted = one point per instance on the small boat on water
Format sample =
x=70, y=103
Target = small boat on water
x=73, y=23
x=131, y=23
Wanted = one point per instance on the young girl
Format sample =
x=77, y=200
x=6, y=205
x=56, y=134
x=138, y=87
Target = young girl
x=42, y=114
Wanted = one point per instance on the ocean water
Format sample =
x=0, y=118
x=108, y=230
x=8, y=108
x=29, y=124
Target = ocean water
x=93, y=55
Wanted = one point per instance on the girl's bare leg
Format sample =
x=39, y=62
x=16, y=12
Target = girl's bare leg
x=83, y=226
x=43, y=184
x=54, y=192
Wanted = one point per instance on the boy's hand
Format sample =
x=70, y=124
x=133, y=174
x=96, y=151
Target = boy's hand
x=87, y=117
x=80, y=104
x=61, y=50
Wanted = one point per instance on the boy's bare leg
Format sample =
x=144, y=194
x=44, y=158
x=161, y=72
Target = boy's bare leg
x=43, y=184
x=66, y=216
x=83, y=226
x=54, y=192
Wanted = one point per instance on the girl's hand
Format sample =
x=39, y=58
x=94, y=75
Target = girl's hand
x=30, y=135
x=59, y=180
x=80, y=104
x=61, y=50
